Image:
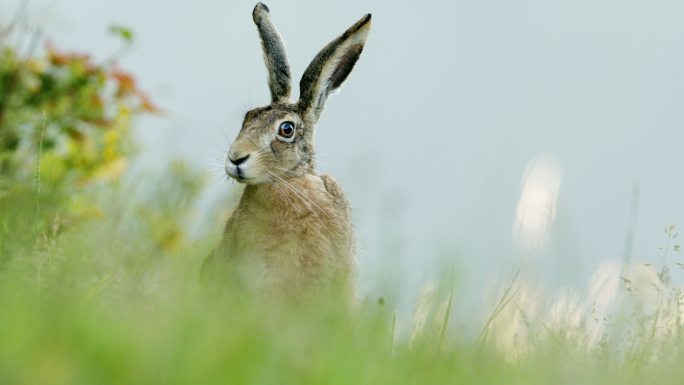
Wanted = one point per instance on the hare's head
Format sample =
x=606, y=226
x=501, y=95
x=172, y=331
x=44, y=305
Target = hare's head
x=276, y=141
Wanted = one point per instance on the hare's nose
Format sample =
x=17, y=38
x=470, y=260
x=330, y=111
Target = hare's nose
x=239, y=161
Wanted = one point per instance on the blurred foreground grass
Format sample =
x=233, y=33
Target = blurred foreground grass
x=112, y=296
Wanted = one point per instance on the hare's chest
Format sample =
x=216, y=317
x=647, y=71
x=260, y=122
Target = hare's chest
x=276, y=251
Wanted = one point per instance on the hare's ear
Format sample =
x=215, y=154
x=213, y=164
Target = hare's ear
x=331, y=67
x=279, y=79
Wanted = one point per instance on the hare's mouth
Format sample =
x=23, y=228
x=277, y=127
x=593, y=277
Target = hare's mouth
x=236, y=172
x=238, y=175
x=241, y=178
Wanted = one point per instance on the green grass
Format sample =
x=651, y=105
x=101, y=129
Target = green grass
x=101, y=287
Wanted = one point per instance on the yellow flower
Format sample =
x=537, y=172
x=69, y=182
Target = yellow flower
x=37, y=66
x=112, y=170
x=111, y=145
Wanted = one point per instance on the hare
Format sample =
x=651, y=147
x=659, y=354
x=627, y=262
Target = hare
x=291, y=232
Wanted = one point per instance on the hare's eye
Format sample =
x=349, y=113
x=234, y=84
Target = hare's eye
x=286, y=130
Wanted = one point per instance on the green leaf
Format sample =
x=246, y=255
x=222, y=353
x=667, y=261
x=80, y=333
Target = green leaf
x=125, y=33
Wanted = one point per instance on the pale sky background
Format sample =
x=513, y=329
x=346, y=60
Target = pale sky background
x=433, y=131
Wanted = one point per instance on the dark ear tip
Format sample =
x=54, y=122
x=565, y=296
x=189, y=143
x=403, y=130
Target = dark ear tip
x=361, y=23
x=259, y=9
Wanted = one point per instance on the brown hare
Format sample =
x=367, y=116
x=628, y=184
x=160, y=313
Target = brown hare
x=291, y=232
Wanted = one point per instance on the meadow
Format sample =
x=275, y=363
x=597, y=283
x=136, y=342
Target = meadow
x=112, y=295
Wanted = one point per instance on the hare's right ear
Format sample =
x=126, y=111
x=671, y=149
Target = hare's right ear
x=331, y=67
x=279, y=79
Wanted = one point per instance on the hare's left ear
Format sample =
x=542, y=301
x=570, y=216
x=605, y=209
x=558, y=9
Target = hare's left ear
x=279, y=79
x=331, y=67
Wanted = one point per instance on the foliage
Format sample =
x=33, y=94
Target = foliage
x=66, y=112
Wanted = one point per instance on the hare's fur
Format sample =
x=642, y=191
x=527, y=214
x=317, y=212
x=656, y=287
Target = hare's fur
x=291, y=243
x=291, y=232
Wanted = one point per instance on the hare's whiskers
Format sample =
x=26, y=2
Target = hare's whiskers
x=304, y=197
x=290, y=188
x=285, y=195
x=308, y=202
x=290, y=171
